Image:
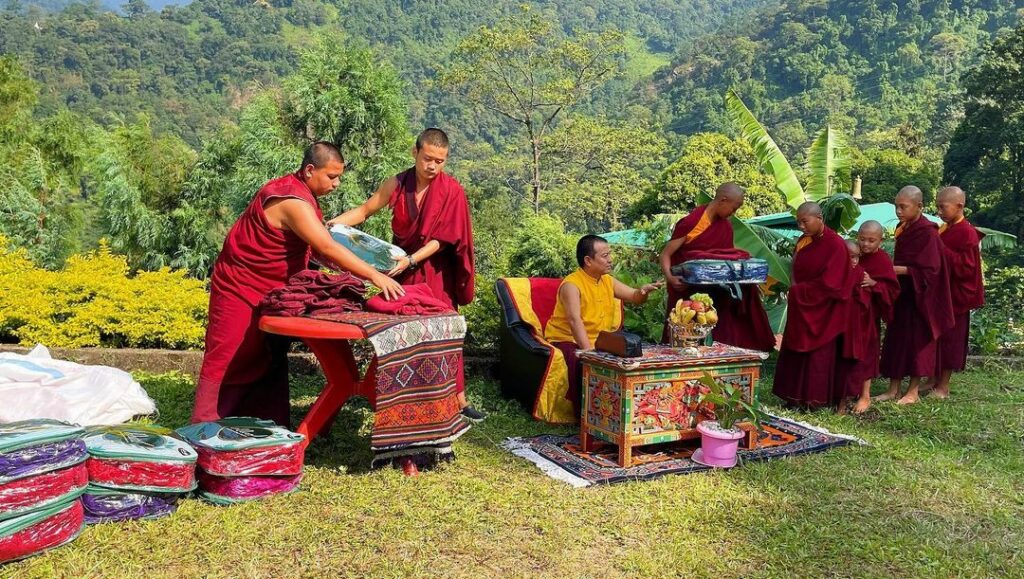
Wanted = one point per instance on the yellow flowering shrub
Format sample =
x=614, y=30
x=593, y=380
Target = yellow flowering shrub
x=96, y=300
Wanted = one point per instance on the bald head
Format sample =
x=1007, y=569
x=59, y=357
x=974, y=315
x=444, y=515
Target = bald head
x=322, y=166
x=730, y=191
x=853, y=250
x=871, y=227
x=728, y=198
x=911, y=193
x=949, y=203
x=808, y=219
x=951, y=195
x=809, y=208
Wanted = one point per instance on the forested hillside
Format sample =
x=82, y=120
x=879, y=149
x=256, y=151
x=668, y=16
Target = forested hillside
x=191, y=66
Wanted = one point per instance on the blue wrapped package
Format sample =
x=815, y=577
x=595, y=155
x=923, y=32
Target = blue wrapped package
x=376, y=252
x=722, y=271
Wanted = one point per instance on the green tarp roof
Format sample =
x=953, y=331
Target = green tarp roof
x=785, y=223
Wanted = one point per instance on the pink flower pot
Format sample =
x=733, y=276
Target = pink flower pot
x=717, y=447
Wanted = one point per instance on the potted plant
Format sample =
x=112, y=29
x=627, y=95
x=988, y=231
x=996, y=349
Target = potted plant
x=720, y=438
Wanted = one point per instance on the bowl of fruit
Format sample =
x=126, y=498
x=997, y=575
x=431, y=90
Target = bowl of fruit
x=690, y=321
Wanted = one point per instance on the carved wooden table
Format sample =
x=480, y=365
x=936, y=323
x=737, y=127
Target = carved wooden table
x=634, y=402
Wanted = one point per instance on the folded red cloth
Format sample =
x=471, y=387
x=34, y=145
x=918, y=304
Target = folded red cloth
x=418, y=300
x=309, y=292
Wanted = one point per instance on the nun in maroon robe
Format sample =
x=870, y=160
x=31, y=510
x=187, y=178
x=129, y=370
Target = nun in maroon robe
x=818, y=303
x=245, y=371
x=874, y=304
x=962, y=248
x=923, y=311
x=443, y=216
x=743, y=322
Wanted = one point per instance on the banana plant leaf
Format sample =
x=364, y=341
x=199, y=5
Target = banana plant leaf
x=840, y=212
x=777, y=309
x=995, y=239
x=827, y=156
x=768, y=153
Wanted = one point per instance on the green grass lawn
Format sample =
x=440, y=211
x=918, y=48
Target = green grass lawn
x=940, y=492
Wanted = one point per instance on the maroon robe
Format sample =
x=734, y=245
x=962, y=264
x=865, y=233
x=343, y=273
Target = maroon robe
x=245, y=372
x=923, y=310
x=818, y=305
x=443, y=215
x=742, y=323
x=962, y=247
x=874, y=305
x=854, y=343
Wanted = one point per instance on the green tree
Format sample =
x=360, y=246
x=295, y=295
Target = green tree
x=986, y=155
x=706, y=161
x=526, y=71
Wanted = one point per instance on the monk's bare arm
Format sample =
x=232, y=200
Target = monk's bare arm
x=298, y=216
x=901, y=269
x=666, y=263
x=635, y=296
x=570, y=296
x=375, y=203
x=421, y=255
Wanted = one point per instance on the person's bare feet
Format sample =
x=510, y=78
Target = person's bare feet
x=941, y=393
x=862, y=405
x=885, y=397
x=909, y=398
x=844, y=406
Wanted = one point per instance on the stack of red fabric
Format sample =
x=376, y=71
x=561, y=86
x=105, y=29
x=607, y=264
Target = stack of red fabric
x=312, y=292
x=419, y=300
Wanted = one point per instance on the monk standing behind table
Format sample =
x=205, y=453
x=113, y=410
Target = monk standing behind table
x=588, y=303
x=706, y=233
x=818, y=307
x=430, y=221
x=880, y=287
x=923, y=310
x=244, y=374
x=962, y=245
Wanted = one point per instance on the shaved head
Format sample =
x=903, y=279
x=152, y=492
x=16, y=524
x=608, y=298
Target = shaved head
x=729, y=191
x=809, y=208
x=852, y=247
x=911, y=193
x=951, y=195
x=872, y=227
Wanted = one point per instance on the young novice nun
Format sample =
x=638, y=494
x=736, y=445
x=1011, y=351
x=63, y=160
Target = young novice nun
x=877, y=294
x=923, y=310
x=962, y=246
x=854, y=336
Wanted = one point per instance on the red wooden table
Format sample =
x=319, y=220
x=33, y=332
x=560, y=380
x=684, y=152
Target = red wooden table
x=330, y=342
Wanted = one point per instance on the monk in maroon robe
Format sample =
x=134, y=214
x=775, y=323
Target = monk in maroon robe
x=430, y=220
x=923, y=310
x=245, y=373
x=962, y=247
x=818, y=302
x=854, y=340
x=874, y=301
x=706, y=233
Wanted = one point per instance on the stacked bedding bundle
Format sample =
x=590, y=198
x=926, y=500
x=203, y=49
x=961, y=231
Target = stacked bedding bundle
x=136, y=471
x=242, y=459
x=42, y=476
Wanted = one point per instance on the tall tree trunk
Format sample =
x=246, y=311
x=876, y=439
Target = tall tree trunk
x=536, y=175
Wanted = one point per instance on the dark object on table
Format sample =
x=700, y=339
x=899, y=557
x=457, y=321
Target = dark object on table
x=623, y=344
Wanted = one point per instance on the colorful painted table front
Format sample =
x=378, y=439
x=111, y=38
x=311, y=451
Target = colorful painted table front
x=653, y=399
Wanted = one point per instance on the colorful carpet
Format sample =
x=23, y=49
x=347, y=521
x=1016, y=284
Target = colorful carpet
x=419, y=365
x=561, y=458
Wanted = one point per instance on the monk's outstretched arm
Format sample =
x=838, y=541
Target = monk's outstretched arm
x=298, y=216
x=570, y=296
x=375, y=203
x=635, y=296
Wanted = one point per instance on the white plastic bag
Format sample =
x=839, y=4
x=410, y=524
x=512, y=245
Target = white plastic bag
x=34, y=385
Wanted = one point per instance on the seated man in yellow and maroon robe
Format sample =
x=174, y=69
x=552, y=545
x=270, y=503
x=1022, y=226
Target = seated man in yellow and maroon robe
x=706, y=233
x=588, y=303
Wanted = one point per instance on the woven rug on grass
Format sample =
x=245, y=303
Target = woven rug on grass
x=560, y=457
